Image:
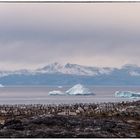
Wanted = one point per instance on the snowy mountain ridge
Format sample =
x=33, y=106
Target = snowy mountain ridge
x=70, y=74
x=74, y=69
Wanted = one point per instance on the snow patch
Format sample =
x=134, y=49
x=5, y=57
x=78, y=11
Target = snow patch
x=127, y=94
x=134, y=73
x=106, y=71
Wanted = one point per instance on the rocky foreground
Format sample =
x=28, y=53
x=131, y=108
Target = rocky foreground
x=71, y=121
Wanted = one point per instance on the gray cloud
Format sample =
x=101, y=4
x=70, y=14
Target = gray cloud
x=33, y=35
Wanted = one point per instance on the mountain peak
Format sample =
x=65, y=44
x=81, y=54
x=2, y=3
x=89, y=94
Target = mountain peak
x=73, y=69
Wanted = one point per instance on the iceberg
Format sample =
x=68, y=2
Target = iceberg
x=56, y=92
x=127, y=94
x=78, y=90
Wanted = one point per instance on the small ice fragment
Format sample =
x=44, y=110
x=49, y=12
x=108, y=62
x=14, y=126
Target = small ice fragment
x=55, y=92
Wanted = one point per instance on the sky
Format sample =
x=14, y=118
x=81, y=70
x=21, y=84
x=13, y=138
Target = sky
x=93, y=34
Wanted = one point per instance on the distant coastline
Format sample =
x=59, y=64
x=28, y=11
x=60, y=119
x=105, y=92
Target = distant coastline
x=71, y=74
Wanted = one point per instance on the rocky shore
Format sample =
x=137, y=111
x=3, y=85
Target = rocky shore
x=113, y=120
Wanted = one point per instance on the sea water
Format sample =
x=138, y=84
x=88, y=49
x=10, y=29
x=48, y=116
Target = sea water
x=39, y=95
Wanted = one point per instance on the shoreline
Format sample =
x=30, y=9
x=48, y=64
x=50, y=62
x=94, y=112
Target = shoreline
x=76, y=120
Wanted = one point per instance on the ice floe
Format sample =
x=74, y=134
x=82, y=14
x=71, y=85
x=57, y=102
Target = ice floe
x=127, y=94
x=56, y=92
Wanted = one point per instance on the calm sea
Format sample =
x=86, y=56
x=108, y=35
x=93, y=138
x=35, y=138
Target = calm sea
x=39, y=95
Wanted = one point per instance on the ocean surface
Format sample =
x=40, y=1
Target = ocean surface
x=39, y=95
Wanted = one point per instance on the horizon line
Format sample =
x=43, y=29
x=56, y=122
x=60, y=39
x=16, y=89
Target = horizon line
x=69, y=1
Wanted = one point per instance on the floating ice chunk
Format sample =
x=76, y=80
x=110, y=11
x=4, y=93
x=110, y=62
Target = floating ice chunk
x=59, y=86
x=127, y=94
x=56, y=92
x=78, y=90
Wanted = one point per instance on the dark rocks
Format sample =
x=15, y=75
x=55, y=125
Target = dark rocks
x=66, y=127
x=108, y=125
x=106, y=120
x=13, y=124
x=50, y=121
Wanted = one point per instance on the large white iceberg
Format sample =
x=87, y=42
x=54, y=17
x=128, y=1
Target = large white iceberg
x=127, y=94
x=56, y=92
x=78, y=90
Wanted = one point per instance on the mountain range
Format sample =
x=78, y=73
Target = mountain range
x=70, y=74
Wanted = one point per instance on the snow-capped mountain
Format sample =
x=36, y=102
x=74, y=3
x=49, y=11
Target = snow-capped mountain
x=74, y=69
x=70, y=74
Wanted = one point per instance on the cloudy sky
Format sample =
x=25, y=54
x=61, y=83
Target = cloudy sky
x=33, y=35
